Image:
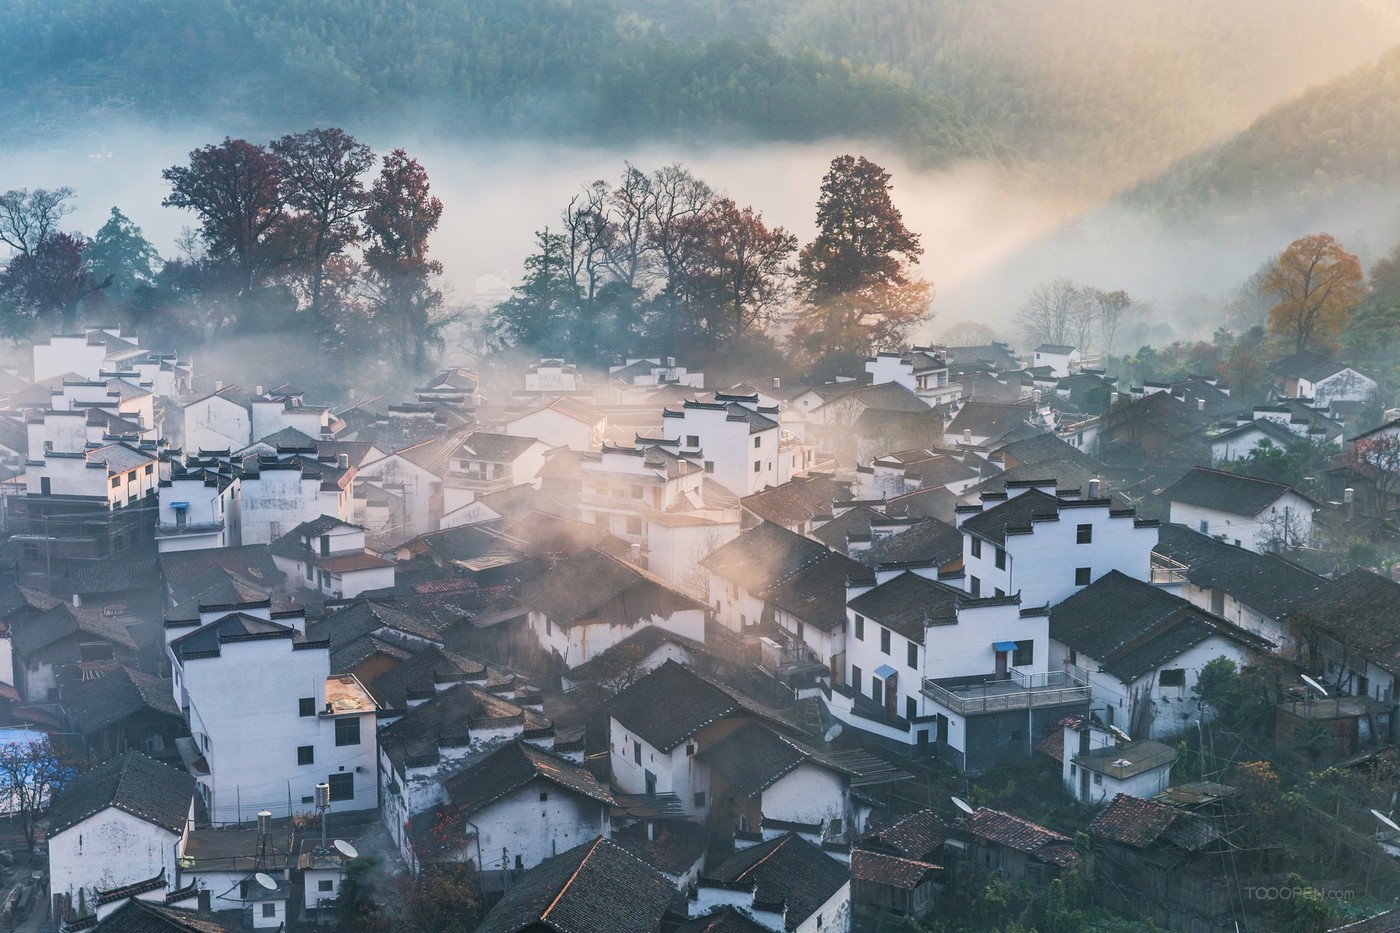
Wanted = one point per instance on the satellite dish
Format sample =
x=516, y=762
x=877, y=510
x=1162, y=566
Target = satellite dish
x=1120, y=734
x=265, y=881
x=1386, y=820
x=832, y=733
x=346, y=849
x=1315, y=685
x=963, y=805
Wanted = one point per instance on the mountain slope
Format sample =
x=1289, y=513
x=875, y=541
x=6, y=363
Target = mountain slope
x=1340, y=137
x=566, y=69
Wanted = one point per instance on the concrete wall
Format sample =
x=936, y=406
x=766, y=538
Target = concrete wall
x=1251, y=532
x=276, y=501
x=582, y=641
x=807, y=794
x=215, y=423
x=556, y=429
x=109, y=849
x=534, y=829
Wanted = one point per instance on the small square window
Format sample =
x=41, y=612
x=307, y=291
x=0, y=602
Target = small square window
x=860, y=627
x=1098, y=778
x=306, y=754
x=976, y=547
x=636, y=752
x=690, y=750
x=31, y=550
x=885, y=640
x=1024, y=655
x=974, y=586
x=1082, y=576
x=347, y=731
x=758, y=442
x=269, y=910
x=148, y=469
x=757, y=465
x=342, y=785
x=116, y=481
x=1001, y=559
x=709, y=466
x=1084, y=534
x=325, y=885
x=692, y=440
x=1203, y=527
x=700, y=800
x=913, y=656
x=1172, y=677
x=544, y=795
x=306, y=706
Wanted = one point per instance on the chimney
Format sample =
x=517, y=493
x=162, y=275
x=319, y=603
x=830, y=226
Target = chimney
x=219, y=386
x=1200, y=404
x=342, y=461
x=257, y=390
x=635, y=554
x=777, y=383
x=352, y=395
x=1348, y=499
x=1095, y=485
x=651, y=830
x=670, y=362
x=77, y=601
x=967, y=436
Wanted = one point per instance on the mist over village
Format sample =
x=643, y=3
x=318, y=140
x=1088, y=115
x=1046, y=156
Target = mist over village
x=614, y=466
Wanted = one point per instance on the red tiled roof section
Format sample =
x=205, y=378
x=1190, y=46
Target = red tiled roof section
x=890, y=870
x=1132, y=821
x=1016, y=833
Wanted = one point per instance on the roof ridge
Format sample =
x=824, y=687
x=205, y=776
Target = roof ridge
x=572, y=877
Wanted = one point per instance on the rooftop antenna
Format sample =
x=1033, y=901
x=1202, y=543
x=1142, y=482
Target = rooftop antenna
x=963, y=805
x=323, y=803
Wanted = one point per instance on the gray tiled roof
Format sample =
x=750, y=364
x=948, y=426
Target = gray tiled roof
x=788, y=869
x=132, y=783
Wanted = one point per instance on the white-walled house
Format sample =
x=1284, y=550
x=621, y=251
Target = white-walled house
x=563, y=422
x=268, y=721
x=1257, y=592
x=622, y=487
x=448, y=725
x=1045, y=547
x=734, y=439
x=1141, y=649
x=1308, y=375
x=123, y=822
x=741, y=570
x=524, y=804
x=414, y=476
x=659, y=725
x=221, y=420
x=1098, y=765
x=487, y=462
x=935, y=672
x=198, y=506
x=591, y=601
x=1062, y=360
x=275, y=494
x=553, y=375
x=813, y=888
x=328, y=556
x=1257, y=514
x=923, y=370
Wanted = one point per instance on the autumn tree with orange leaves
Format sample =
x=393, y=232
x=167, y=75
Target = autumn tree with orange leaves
x=1316, y=284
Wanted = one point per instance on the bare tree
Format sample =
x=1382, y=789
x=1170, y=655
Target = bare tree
x=589, y=233
x=29, y=773
x=27, y=218
x=1047, y=316
x=677, y=198
x=630, y=205
x=1084, y=318
x=1113, y=306
x=1248, y=306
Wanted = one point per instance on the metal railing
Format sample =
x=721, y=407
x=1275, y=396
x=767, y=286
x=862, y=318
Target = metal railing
x=1020, y=691
x=176, y=528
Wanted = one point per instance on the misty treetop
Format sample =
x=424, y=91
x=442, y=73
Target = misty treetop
x=297, y=236
x=659, y=261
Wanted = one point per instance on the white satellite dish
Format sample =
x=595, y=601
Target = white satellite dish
x=345, y=849
x=963, y=805
x=832, y=733
x=1315, y=685
x=1120, y=734
x=265, y=881
x=1386, y=820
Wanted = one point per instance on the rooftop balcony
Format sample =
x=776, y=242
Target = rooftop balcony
x=166, y=529
x=975, y=696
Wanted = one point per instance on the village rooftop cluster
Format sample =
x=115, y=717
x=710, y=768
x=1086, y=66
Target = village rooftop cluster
x=649, y=654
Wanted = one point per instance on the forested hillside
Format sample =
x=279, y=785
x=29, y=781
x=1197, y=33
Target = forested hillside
x=1101, y=95
x=1344, y=135
x=569, y=69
